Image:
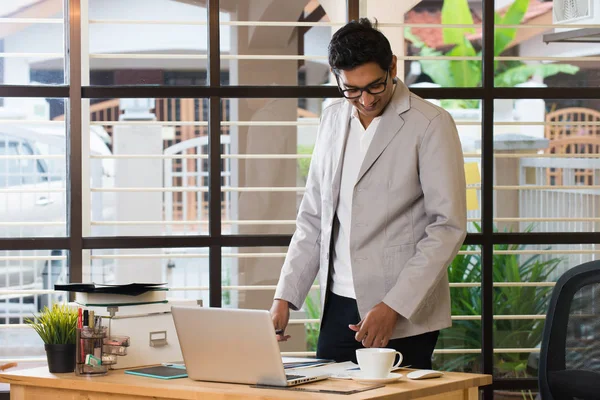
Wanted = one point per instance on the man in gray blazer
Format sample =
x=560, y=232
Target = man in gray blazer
x=384, y=212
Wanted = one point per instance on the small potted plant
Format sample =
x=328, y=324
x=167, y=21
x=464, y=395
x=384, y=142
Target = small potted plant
x=57, y=327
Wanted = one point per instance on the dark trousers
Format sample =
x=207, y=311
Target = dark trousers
x=337, y=342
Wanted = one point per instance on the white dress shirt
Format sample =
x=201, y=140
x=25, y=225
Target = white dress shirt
x=357, y=145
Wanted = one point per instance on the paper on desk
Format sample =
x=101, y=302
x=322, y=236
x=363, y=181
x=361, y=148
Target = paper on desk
x=288, y=360
x=303, y=362
x=341, y=370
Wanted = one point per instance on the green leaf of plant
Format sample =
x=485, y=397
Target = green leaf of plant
x=412, y=38
x=438, y=71
x=56, y=325
x=506, y=301
x=456, y=12
x=524, y=72
x=514, y=15
x=465, y=73
x=304, y=163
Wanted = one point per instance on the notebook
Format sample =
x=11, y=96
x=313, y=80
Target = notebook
x=159, y=372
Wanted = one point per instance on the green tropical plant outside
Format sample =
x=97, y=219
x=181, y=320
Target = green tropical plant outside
x=56, y=325
x=529, y=300
x=312, y=308
x=226, y=281
x=304, y=163
x=468, y=73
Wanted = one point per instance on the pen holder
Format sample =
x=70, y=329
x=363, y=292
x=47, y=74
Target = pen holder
x=88, y=358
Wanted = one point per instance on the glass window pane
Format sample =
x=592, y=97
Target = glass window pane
x=149, y=167
x=513, y=394
x=158, y=42
x=267, y=146
x=33, y=178
x=459, y=347
x=429, y=53
x=185, y=270
x=35, y=270
x=32, y=43
x=524, y=277
x=547, y=167
x=531, y=55
x=264, y=46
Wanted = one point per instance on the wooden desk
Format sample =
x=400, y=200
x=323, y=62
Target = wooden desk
x=38, y=384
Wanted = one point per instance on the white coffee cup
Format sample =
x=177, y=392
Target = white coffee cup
x=377, y=363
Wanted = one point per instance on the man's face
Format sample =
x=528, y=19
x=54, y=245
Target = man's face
x=369, y=76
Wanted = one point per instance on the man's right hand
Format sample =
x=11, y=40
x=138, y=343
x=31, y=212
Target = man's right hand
x=280, y=313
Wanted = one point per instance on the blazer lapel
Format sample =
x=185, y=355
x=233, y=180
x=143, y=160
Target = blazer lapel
x=391, y=122
x=341, y=130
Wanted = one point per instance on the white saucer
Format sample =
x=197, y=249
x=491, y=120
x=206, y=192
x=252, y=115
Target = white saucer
x=392, y=377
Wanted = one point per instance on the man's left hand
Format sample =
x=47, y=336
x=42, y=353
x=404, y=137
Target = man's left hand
x=375, y=330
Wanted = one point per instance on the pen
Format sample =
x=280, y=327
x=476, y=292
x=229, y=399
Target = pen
x=81, y=342
x=178, y=366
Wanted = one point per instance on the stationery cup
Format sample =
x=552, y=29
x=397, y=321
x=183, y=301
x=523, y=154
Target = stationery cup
x=88, y=353
x=376, y=363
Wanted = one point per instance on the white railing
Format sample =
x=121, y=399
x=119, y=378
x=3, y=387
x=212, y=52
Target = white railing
x=581, y=205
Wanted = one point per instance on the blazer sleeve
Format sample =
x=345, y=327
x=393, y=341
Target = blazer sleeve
x=301, y=264
x=442, y=177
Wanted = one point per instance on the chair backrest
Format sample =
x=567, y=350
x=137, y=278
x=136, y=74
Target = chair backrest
x=571, y=121
x=572, y=328
x=574, y=145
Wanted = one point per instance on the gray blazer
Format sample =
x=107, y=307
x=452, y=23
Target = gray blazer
x=408, y=213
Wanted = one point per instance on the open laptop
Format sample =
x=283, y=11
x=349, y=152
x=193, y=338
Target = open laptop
x=233, y=345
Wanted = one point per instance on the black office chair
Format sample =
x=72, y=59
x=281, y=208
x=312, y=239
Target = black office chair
x=570, y=355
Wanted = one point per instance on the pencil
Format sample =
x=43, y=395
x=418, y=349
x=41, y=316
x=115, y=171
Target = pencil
x=7, y=366
x=91, y=318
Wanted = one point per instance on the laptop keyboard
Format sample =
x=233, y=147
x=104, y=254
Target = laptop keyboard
x=291, y=377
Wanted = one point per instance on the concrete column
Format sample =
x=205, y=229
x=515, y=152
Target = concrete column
x=138, y=206
x=531, y=110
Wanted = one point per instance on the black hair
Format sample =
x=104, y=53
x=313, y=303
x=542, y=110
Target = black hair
x=358, y=43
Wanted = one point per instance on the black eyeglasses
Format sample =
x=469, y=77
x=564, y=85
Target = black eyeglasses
x=373, y=88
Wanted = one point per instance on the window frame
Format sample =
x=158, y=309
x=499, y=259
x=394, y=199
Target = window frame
x=75, y=91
